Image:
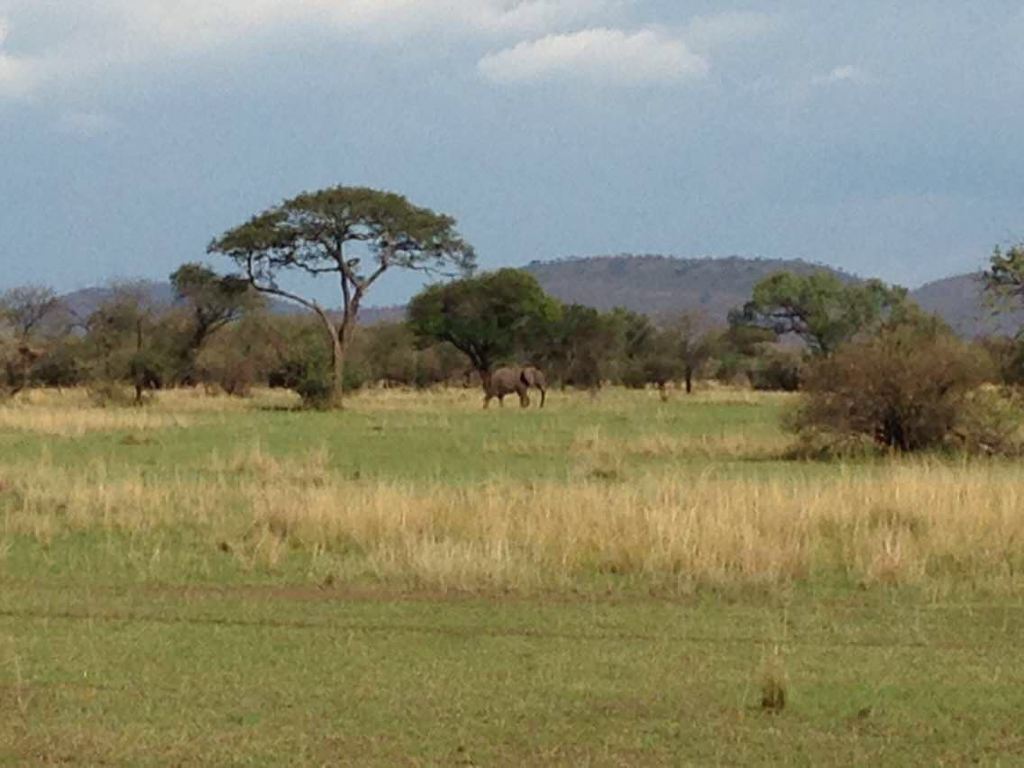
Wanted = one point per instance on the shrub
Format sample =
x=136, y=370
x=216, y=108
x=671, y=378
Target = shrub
x=777, y=372
x=1007, y=357
x=315, y=390
x=61, y=367
x=990, y=422
x=906, y=389
x=109, y=394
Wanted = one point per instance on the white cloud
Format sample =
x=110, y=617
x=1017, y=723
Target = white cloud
x=78, y=39
x=18, y=75
x=605, y=56
x=844, y=74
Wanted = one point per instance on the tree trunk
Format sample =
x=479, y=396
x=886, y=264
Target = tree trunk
x=337, y=370
x=689, y=381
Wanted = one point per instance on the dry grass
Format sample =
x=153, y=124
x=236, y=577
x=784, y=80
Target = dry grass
x=73, y=413
x=61, y=421
x=199, y=400
x=596, y=445
x=908, y=523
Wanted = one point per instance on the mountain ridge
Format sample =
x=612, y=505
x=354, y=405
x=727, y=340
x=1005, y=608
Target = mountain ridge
x=659, y=284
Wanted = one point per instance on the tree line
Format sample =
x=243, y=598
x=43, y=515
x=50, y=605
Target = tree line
x=816, y=332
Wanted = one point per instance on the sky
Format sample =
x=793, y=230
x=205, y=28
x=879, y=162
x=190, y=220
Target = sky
x=880, y=137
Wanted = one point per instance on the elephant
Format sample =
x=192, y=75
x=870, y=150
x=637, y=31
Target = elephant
x=505, y=381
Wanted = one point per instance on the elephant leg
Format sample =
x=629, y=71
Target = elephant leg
x=524, y=397
x=543, y=395
x=487, y=401
x=501, y=400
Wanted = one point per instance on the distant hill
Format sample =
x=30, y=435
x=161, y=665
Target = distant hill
x=83, y=303
x=655, y=285
x=662, y=284
x=959, y=301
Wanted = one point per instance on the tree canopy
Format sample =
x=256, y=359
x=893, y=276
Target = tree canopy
x=488, y=318
x=211, y=302
x=1004, y=279
x=351, y=234
x=26, y=307
x=820, y=308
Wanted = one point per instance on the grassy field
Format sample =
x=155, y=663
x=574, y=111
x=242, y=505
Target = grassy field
x=414, y=581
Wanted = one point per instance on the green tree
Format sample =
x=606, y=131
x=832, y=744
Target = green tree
x=694, y=341
x=1003, y=281
x=353, y=235
x=211, y=302
x=650, y=355
x=129, y=339
x=740, y=347
x=489, y=318
x=820, y=308
x=905, y=388
x=391, y=353
x=580, y=347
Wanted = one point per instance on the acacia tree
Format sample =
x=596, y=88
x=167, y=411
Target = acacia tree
x=488, y=318
x=820, y=308
x=212, y=302
x=352, y=234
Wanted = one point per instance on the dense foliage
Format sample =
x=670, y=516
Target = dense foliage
x=908, y=388
x=875, y=369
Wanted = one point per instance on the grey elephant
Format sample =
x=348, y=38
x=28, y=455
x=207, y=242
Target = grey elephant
x=505, y=381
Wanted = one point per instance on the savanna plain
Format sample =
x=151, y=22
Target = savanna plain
x=414, y=581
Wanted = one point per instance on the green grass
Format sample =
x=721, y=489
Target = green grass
x=156, y=648
x=457, y=445
x=279, y=676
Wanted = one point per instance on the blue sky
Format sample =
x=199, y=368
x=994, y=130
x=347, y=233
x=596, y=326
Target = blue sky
x=879, y=137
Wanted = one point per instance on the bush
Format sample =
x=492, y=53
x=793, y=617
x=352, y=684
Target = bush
x=59, y=368
x=990, y=422
x=634, y=376
x=316, y=391
x=777, y=372
x=906, y=389
x=110, y=394
x=1007, y=357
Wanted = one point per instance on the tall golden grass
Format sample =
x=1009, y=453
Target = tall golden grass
x=914, y=522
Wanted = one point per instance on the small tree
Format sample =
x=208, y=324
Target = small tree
x=26, y=308
x=1003, y=281
x=690, y=334
x=904, y=389
x=352, y=234
x=580, y=346
x=650, y=355
x=738, y=350
x=391, y=353
x=489, y=318
x=211, y=302
x=820, y=308
x=239, y=356
x=129, y=340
